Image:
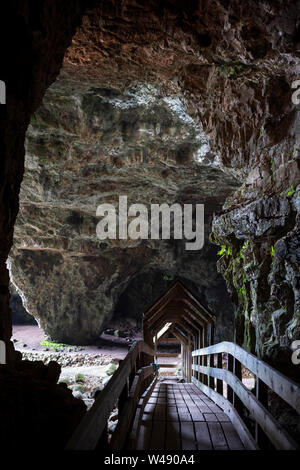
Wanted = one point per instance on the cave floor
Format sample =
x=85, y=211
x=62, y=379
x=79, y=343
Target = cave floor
x=28, y=338
x=178, y=416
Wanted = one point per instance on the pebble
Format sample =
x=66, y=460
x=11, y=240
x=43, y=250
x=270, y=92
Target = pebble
x=66, y=359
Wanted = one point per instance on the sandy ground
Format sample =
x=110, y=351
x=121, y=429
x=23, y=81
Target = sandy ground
x=32, y=335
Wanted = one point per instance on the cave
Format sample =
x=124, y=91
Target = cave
x=167, y=103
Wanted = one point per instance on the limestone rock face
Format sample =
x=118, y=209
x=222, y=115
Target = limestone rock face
x=261, y=266
x=229, y=67
x=87, y=149
x=19, y=314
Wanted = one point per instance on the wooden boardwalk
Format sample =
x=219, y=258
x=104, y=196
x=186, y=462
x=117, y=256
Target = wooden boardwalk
x=178, y=416
x=168, y=415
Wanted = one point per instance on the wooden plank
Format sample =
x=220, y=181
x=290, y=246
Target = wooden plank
x=167, y=365
x=182, y=407
x=149, y=409
x=160, y=304
x=222, y=417
x=217, y=436
x=153, y=400
x=210, y=417
x=214, y=408
x=144, y=436
x=195, y=413
x=171, y=401
x=202, y=436
x=278, y=436
x=262, y=396
x=203, y=408
x=173, y=436
x=188, y=438
x=220, y=366
x=160, y=413
x=167, y=355
x=232, y=438
x=236, y=420
x=162, y=401
x=238, y=373
x=211, y=380
x=230, y=369
x=204, y=358
x=184, y=416
x=180, y=401
x=172, y=414
x=158, y=435
x=170, y=340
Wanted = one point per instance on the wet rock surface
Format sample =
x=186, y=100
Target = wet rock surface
x=261, y=266
x=87, y=149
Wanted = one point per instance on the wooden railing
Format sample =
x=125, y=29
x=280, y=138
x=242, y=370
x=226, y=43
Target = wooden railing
x=209, y=376
x=124, y=389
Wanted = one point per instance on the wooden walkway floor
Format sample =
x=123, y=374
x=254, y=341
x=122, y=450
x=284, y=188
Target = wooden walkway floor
x=181, y=417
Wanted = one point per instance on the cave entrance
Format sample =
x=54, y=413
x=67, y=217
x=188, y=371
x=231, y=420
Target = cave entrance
x=179, y=317
x=97, y=136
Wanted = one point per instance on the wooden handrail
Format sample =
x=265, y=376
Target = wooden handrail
x=90, y=429
x=284, y=387
x=266, y=375
x=127, y=415
x=139, y=413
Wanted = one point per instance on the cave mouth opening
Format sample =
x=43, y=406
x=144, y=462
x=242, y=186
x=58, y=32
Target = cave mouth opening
x=86, y=146
x=98, y=135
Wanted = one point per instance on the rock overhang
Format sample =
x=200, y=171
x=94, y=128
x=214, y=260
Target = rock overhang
x=236, y=89
x=84, y=149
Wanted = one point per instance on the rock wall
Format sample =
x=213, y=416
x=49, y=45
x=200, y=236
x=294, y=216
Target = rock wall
x=20, y=316
x=230, y=63
x=88, y=147
x=260, y=262
x=34, y=39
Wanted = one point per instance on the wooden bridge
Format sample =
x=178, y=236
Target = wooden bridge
x=210, y=408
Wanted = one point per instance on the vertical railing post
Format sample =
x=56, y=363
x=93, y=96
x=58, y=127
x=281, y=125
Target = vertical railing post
x=123, y=397
x=230, y=369
x=186, y=362
x=211, y=364
x=192, y=357
x=197, y=358
x=238, y=373
x=220, y=366
x=182, y=360
x=183, y=363
x=201, y=357
x=205, y=378
x=189, y=359
x=262, y=395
